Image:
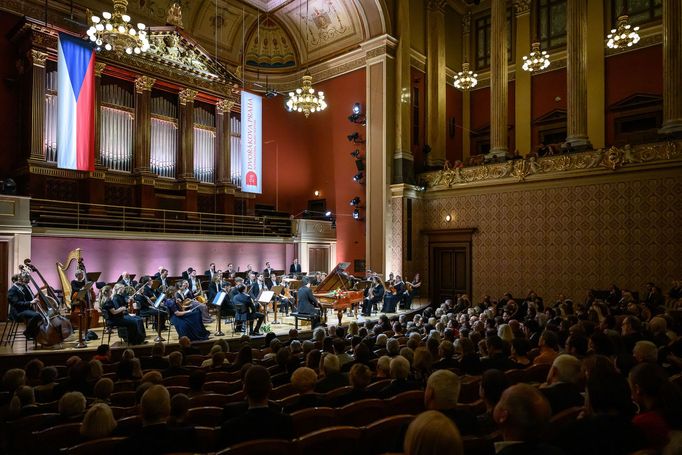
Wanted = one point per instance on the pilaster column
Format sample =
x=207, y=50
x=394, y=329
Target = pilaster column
x=185, y=168
x=403, y=160
x=143, y=125
x=498, y=78
x=672, y=67
x=522, y=106
x=435, y=81
x=99, y=69
x=224, y=188
x=380, y=108
x=596, y=89
x=576, y=74
x=35, y=84
x=466, y=94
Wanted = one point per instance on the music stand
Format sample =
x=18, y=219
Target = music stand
x=264, y=298
x=156, y=304
x=218, y=301
x=92, y=276
x=81, y=296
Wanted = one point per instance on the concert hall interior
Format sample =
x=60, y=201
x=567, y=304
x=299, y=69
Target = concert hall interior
x=472, y=179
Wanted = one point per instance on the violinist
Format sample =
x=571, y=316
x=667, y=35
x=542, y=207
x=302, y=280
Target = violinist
x=145, y=298
x=187, y=322
x=412, y=291
x=215, y=287
x=21, y=303
x=115, y=309
x=126, y=280
x=374, y=295
x=184, y=293
x=284, y=299
x=243, y=304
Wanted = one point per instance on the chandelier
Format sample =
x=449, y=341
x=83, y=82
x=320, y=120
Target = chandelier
x=304, y=98
x=624, y=35
x=113, y=31
x=465, y=79
x=537, y=60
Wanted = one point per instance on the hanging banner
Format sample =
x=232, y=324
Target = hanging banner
x=252, y=143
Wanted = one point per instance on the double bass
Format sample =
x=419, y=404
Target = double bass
x=54, y=328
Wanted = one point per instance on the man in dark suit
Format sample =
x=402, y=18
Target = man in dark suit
x=308, y=303
x=155, y=436
x=295, y=267
x=400, y=371
x=496, y=359
x=267, y=271
x=210, y=273
x=21, y=302
x=562, y=391
x=333, y=378
x=243, y=304
x=259, y=421
x=161, y=276
x=377, y=295
x=442, y=393
x=145, y=302
x=127, y=280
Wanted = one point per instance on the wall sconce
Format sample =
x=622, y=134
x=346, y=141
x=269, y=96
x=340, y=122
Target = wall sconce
x=356, y=116
x=448, y=218
x=358, y=177
x=317, y=193
x=355, y=200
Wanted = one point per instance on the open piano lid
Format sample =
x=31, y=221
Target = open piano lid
x=336, y=279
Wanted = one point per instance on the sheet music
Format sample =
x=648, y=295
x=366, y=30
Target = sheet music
x=266, y=296
x=159, y=301
x=219, y=298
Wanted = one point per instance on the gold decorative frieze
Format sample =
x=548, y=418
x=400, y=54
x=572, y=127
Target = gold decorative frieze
x=144, y=83
x=99, y=68
x=522, y=7
x=37, y=58
x=187, y=96
x=224, y=106
x=437, y=5
x=613, y=158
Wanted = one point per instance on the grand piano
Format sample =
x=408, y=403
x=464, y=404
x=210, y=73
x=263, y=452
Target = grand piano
x=336, y=291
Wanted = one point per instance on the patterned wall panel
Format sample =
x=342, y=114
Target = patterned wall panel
x=569, y=236
x=397, y=236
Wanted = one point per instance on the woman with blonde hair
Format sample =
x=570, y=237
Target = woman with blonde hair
x=98, y=422
x=431, y=433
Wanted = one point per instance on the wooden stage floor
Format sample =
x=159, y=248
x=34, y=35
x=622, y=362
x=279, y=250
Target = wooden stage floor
x=281, y=328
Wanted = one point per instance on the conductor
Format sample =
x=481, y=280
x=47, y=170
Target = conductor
x=307, y=302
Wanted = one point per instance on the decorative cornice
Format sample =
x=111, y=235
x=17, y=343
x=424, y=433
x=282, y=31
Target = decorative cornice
x=36, y=58
x=99, y=68
x=522, y=7
x=437, y=5
x=466, y=23
x=144, y=83
x=552, y=167
x=187, y=96
x=224, y=106
x=380, y=46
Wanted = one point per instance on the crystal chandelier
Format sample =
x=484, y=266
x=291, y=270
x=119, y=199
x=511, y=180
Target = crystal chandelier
x=304, y=98
x=113, y=31
x=537, y=60
x=624, y=35
x=465, y=79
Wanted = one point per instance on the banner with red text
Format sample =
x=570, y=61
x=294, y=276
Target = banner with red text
x=252, y=143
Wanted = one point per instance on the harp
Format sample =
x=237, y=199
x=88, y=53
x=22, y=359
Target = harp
x=62, y=271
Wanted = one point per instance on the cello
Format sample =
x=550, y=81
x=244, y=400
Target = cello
x=55, y=328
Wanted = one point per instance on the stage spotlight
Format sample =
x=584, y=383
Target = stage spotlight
x=358, y=177
x=356, y=116
x=328, y=213
x=356, y=214
x=360, y=164
x=355, y=200
x=355, y=153
x=357, y=108
x=354, y=137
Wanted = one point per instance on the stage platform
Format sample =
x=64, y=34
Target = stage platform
x=285, y=323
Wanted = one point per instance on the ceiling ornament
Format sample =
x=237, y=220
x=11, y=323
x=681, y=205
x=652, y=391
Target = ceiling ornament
x=270, y=48
x=174, y=16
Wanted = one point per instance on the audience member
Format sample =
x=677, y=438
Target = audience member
x=442, y=393
x=432, y=433
x=563, y=390
x=98, y=422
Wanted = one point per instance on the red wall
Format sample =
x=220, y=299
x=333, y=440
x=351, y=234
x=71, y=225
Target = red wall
x=453, y=135
x=546, y=87
x=480, y=108
x=419, y=81
x=314, y=154
x=10, y=89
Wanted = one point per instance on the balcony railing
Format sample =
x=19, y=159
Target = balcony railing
x=83, y=216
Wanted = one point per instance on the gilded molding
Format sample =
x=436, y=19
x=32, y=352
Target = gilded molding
x=36, y=58
x=99, y=68
x=224, y=106
x=522, y=7
x=144, y=83
x=437, y=5
x=613, y=158
x=466, y=23
x=187, y=96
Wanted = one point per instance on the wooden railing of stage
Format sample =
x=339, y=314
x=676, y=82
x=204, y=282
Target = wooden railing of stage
x=83, y=216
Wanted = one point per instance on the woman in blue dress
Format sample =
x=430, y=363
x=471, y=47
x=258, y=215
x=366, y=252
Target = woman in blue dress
x=187, y=323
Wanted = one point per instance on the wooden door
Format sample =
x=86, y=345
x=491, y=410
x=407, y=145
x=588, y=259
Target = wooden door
x=318, y=258
x=451, y=272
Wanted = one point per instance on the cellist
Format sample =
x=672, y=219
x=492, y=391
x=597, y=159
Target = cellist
x=21, y=302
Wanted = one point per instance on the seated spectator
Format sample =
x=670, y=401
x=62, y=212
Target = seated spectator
x=645, y=351
x=360, y=377
x=442, y=393
x=153, y=376
x=129, y=370
x=383, y=370
x=400, y=371
x=304, y=380
x=577, y=345
x=178, y=410
x=156, y=436
x=215, y=349
x=103, y=353
x=562, y=390
x=23, y=403
x=522, y=415
x=496, y=358
x=313, y=359
x=659, y=402
x=549, y=348
x=493, y=383
x=244, y=356
x=71, y=407
x=32, y=369
x=361, y=354
x=432, y=433
x=469, y=361
x=94, y=373
x=186, y=347
x=422, y=365
x=218, y=362
x=98, y=422
x=259, y=421
x=392, y=347
x=103, y=390
x=332, y=378
x=175, y=367
x=196, y=383
x=446, y=351
x=48, y=389
x=519, y=352
x=156, y=361
x=340, y=351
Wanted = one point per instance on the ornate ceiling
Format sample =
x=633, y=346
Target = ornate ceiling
x=281, y=35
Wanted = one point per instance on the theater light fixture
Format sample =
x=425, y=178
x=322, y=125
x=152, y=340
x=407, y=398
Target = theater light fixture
x=358, y=177
x=465, y=79
x=624, y=35
x=114, y=32
x=537, y=60
x=356, y=115
x=360, y=164
x=355, y=138
x=355, y=200
x=356, y=214
x=317, y=193
x=357, y=108
x=448, y=218
x=355, y=153
x=328, y=213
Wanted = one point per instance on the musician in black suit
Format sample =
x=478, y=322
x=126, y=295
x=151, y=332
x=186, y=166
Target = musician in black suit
x=162, y=276
x=243, y=304
x=211, y=272
x=21, y=304
x=308, y=303
x=145, y=299
x=373, y=295
x=295, y=267
x=126, y=280
x=267, y=270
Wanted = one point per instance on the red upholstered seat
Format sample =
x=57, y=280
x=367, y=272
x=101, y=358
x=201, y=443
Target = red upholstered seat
x=182, y=380
x=411, y=402
x=51, y=439
x=104, y=446
x=341, y=440
x=261, y=447
x=312, y=419
x=205, y=416
x=361, y=412
x=387, y=434
x=209, y=399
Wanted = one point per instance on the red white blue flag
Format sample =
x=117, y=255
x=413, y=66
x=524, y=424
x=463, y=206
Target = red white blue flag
x=76, y=104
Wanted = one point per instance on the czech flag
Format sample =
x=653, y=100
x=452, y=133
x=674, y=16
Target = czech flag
x=76, y=104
